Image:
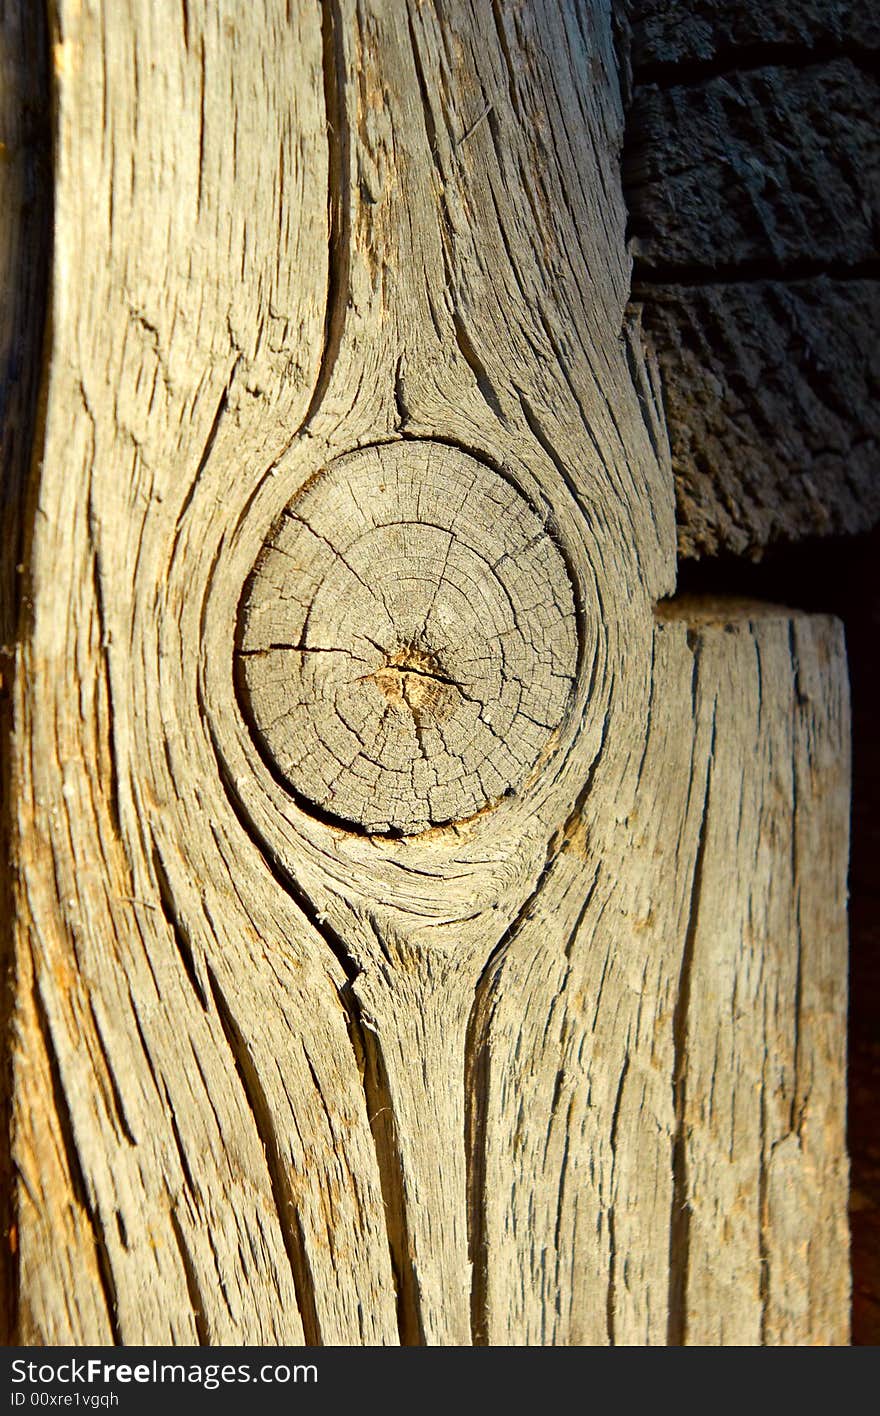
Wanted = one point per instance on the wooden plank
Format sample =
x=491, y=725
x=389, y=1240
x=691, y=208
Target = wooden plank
x=760, y=1143
x=684, y=1043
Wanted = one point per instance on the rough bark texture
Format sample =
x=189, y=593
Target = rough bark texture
x=753, y=180
x=296, y=1061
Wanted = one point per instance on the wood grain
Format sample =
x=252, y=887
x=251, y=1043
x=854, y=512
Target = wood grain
x=25, y=241
x=680, y=1100
x=408, y=642
x=301, y=1074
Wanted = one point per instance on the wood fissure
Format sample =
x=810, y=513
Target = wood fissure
x=338, y=199
x=611, y=1300
x=476, y=1093
x=192, y=1281
x=78, y=1179
x=679, y=1225
x=383, y=1126
x=285, y=1207
x=184, y=948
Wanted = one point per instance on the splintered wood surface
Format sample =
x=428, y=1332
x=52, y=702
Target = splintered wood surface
x=417, y=938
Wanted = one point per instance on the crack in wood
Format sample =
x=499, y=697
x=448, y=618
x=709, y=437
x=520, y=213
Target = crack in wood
x=75, y=1169
x=338, y=201
x=679, y=1221
x=192, y=1280
x=611, y=1299
x=466, y=598
x=285, y=1206
x=382, y=1121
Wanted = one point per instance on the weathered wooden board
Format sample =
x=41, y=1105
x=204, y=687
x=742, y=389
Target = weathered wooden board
x=684, y=1071
x=357, y=790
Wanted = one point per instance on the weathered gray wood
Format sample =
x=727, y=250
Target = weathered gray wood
x=203, y=1177
x=760, y=1009
x=678, y=1043
x=770, y=391
x=301, y=1053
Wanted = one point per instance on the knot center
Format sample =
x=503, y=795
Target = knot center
x=414, y=678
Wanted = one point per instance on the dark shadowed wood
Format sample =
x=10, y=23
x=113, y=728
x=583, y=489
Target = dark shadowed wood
x=704, y=32
x=25, y=225
x=771, y=402
x=753, y=180
x=776, y=167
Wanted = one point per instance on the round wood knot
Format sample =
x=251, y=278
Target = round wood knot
x=407, y=640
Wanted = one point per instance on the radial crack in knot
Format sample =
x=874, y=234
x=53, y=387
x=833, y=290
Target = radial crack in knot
x=422, y=547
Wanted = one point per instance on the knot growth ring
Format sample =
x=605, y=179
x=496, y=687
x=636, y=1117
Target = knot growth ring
x=407, y=641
